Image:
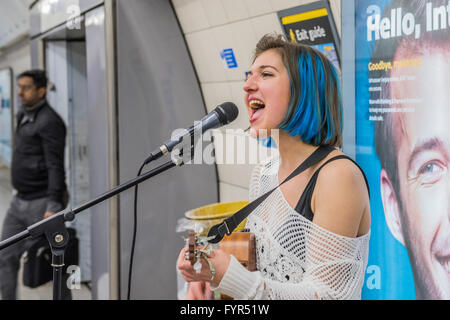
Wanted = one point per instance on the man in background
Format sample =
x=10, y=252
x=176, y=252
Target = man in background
x=37, y=173
x=413, y=145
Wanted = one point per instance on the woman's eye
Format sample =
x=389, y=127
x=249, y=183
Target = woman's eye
x=431, y=172
x=266, y=74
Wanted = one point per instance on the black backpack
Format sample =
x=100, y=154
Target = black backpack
x=37, y=267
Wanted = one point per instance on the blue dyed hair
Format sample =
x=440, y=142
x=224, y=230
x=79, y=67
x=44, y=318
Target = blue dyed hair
x=268, y=142
x=315, y=107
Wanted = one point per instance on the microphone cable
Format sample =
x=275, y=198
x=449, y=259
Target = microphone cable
x=133, y=242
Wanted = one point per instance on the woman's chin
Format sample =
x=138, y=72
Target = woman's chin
x=254, y=133
x=260, y=133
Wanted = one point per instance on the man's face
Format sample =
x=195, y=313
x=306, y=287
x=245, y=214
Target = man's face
x=28, y=94
x=423, y=144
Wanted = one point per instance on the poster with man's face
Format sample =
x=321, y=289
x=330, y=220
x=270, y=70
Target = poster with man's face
x=403, y=143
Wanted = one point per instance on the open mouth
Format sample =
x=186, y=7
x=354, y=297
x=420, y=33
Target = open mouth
x=256, y=104
x=257, y=107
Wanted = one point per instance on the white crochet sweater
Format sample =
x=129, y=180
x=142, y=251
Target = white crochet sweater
x=296, y=259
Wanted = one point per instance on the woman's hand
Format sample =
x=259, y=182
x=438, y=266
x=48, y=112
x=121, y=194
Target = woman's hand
x=199, y=291
x=218, y=258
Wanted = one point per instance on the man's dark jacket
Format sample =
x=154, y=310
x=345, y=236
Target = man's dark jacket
x=37, y=169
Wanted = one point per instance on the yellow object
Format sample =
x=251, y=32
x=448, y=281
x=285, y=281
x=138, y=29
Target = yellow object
x=304, y=16
x=291, y=34
x=215, y=213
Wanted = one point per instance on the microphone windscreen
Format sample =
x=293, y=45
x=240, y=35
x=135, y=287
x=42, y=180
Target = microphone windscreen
x=228, y=112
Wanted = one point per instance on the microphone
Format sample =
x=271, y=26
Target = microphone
x=222, y=115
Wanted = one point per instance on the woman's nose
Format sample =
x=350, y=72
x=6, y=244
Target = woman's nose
x=249, y=85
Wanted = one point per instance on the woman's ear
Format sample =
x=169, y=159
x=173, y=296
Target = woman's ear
x=391, y=207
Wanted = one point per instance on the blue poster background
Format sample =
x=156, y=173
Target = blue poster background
x=388, y=274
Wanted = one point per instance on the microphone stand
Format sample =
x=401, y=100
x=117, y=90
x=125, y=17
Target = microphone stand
x=55, y=230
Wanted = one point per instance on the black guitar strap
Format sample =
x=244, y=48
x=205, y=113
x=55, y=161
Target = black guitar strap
x=227, y=226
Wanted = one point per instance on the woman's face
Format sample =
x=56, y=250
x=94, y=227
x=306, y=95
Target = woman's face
x=267, y=93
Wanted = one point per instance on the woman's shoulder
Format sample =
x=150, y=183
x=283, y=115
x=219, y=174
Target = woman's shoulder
x=340, y=195
x=340, y=169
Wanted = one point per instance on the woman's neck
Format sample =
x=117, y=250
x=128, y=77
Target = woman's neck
x=293, y=151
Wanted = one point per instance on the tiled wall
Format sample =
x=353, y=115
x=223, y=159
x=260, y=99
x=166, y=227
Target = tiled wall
x=211, y=26
x=17, y=57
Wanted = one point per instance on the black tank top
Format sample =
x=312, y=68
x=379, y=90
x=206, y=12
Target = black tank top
x=304, y=204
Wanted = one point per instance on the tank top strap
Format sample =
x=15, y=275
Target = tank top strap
x=304, y=204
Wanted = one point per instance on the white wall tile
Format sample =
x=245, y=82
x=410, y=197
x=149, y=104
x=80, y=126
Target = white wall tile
x=246, y=40
x=216, y=93
x=278, y=5
x=230, y=192
x=215, y=12
x=265, y=24
x=236, y=174
x=225, y=40
x=206, y=56
x=237, y=96
x=257, y=7
x=241, y=38
x=191, y=15
x=235, y=10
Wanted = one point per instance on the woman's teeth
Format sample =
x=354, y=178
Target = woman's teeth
x=256, y=104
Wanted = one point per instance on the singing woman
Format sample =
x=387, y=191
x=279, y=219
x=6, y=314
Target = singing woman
x=312, y=233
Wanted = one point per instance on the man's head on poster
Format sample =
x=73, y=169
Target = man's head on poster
x=413, y=144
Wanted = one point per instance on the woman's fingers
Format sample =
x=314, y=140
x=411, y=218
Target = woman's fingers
x=187, y=270
x=182, y=263
x=196, y=291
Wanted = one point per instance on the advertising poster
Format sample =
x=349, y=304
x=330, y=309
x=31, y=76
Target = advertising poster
x=5, y=116
x=312, y=25
x=402, y=110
